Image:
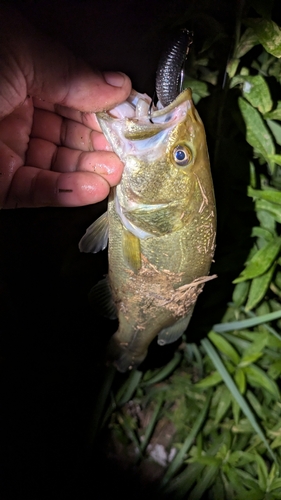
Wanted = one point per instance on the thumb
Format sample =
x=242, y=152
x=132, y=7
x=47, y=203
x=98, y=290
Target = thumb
x=36, y=65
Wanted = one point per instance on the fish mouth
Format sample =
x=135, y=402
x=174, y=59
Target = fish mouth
x=132, y=129
x=138, y=107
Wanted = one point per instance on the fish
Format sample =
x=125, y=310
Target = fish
x=160, y=224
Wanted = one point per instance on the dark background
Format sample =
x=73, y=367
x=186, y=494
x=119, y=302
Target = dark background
x=52, y=344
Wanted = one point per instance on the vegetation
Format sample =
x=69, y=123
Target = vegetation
x=221, y=396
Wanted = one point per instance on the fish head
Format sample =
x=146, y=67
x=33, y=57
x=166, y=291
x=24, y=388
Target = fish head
x=165, y=156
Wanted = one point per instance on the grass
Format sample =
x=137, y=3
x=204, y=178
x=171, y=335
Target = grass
x=221, y=397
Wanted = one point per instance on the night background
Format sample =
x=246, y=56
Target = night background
x=52, y=342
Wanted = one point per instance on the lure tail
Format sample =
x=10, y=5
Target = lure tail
x=169, y=74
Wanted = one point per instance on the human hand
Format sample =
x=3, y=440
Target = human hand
x=52, y=151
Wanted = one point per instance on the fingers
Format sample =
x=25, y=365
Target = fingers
x=36, y=65
x=15, y=128
x=68, y=166
x=47, y=156
x=32, y=187
x=77, y=178
x=88, y=119
x=72, y=83
x=61, y=131
x=62, y=79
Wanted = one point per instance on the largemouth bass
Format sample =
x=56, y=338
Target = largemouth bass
x=160, y=224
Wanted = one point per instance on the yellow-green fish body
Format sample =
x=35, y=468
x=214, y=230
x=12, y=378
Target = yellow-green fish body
x=161, y=221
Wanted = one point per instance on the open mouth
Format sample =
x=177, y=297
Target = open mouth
x=132, y=129
x=139, y=107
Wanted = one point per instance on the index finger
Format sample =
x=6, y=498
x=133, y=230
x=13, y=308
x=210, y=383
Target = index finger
x=86, y=118
x=38, y=66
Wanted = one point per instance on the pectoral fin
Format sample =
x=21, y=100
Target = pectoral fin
x=131, y=250
x=96, y=236
x=101, y=300
x=174, y=332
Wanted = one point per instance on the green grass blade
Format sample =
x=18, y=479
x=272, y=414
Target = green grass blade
x=267, y=327
x=177, y=489
x=165, y=372
x=213, y=355
x=179, y=458
x=152, y=423
x=207, y=480
x=126, y=392
x=131, y=434
x=199, y=360
x=272, y=331
x=246, y=323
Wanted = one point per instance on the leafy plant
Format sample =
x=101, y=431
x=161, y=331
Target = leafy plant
x=223, y=397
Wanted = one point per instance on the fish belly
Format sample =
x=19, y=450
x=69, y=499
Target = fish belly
x=161, y=293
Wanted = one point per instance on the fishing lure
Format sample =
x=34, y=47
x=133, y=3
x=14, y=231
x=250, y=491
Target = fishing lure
x=169, y=76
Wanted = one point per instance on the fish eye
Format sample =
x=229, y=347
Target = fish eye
x=182, y=156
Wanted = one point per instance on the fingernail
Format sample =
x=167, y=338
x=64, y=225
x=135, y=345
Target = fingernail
x=113, y=78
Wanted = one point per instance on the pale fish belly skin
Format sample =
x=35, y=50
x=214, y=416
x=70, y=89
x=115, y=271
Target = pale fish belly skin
x=164, y=289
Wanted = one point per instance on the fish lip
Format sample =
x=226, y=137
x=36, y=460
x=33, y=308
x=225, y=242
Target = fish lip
x=184, y=96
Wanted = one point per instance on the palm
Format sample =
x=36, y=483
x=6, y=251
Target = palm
x=14, y=133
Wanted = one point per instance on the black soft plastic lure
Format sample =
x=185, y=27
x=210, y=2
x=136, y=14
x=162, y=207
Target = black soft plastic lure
x=169, y=74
